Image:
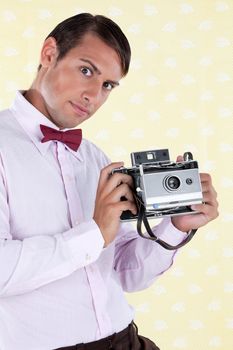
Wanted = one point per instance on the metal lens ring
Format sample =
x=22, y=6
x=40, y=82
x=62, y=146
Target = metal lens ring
x=171, y=183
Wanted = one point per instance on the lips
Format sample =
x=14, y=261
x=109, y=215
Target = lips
x=79, y=109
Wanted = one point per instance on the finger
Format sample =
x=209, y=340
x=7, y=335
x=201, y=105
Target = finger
x=204, y=177
x=114, y=181
x=122, y=191
x=179, y=158
x=127, y=205
x=210, y=209
x=107, y=171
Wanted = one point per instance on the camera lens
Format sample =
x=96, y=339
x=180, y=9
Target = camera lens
x=172, y=183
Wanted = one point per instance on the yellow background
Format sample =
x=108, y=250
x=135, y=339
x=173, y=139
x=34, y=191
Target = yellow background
x=178, y=95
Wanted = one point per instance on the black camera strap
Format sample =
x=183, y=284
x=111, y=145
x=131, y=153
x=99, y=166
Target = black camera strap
x=142, y=218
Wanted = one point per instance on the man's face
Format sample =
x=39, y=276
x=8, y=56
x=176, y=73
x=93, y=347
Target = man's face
x=72, y=89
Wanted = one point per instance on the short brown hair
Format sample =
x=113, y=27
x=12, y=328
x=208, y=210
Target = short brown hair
x=69, y=33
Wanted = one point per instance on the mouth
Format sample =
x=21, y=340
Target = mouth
x=79, y=109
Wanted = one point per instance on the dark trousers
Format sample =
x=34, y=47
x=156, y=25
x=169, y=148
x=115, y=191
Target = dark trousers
x=128, y=339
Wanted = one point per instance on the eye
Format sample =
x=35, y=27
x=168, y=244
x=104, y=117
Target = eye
x=86, y=71
x=108, y=86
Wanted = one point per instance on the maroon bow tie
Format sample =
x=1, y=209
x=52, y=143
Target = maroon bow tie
x=72, y=138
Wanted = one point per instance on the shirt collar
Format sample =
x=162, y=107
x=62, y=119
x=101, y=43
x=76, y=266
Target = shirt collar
x=30, y=119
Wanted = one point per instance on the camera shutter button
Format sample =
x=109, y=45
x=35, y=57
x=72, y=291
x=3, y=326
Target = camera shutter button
x=189, y=181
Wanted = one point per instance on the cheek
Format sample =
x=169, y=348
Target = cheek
x=56, y=85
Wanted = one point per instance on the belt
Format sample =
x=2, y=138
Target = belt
x=105, y=343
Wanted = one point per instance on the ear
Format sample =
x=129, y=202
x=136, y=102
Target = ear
x=49, y=52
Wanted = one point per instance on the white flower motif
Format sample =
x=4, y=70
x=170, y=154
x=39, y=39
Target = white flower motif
x=211, y=235
x=177, y=272
x=206, y=61
x=9, y=16
x=194, y=289
x=153, y=81
x=226, y=147
x=150, y=10
x=135, y=28
x=188, y=79
x=214, y=305
x=45, y=14
x=187, y=44
x=191, y=147
x=186, y=8
x=207, y=130
x=143, y=308
x=189, y=114
x=159, y=289
x=151, y=45
x=171, y=62
x=102, y=135
x=172, y=97
x=193, y=253
x=30, y=68
x=205, y=25
x=119, y=152
x=212, y=270
x=227, y=217
x=180, y=343
x=136, y=64
x=229, y=323
x=215, y=341
x=222, y=6
x=12, y=86
x=179, y=307
x=226, y=182
x=80, y=10
x=227, y=252
x=115, y=12
x=223, y=77
x=11, y=51
x=28, y=32
x=225, y=112
x=169, y=27
x=137, y=99
x=118, y=117
x=160, y=325
x=228, y=287
x=173, y=132
x=196, y=325
x=223, y=42
x=154, y=116
x=137, y=133
x=209, y=164
x=206, y=96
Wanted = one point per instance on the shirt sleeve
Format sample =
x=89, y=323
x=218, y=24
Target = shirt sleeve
x=139, y=261
x=35, y=261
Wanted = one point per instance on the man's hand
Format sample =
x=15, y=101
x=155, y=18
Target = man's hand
x=108, y=204
x=207, y=211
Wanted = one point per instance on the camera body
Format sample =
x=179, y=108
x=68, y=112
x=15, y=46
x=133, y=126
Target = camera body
x=163, y=187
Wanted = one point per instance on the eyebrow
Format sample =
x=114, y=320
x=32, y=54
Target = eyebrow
x=98, y=71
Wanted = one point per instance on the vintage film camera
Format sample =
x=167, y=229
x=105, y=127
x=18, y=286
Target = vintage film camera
x=162, y=187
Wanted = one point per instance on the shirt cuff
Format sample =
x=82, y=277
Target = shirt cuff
x=85, y=242
x=166, y=231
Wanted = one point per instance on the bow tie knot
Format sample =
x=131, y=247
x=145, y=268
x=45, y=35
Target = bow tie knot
x=72, y=138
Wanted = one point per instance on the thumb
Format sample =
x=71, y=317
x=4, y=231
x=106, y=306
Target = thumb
x=179, y=158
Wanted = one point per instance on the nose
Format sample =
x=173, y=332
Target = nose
x=92, y=93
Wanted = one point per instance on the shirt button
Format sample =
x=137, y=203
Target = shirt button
x=88, y=257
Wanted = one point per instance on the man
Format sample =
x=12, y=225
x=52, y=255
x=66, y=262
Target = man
x=65, y=259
